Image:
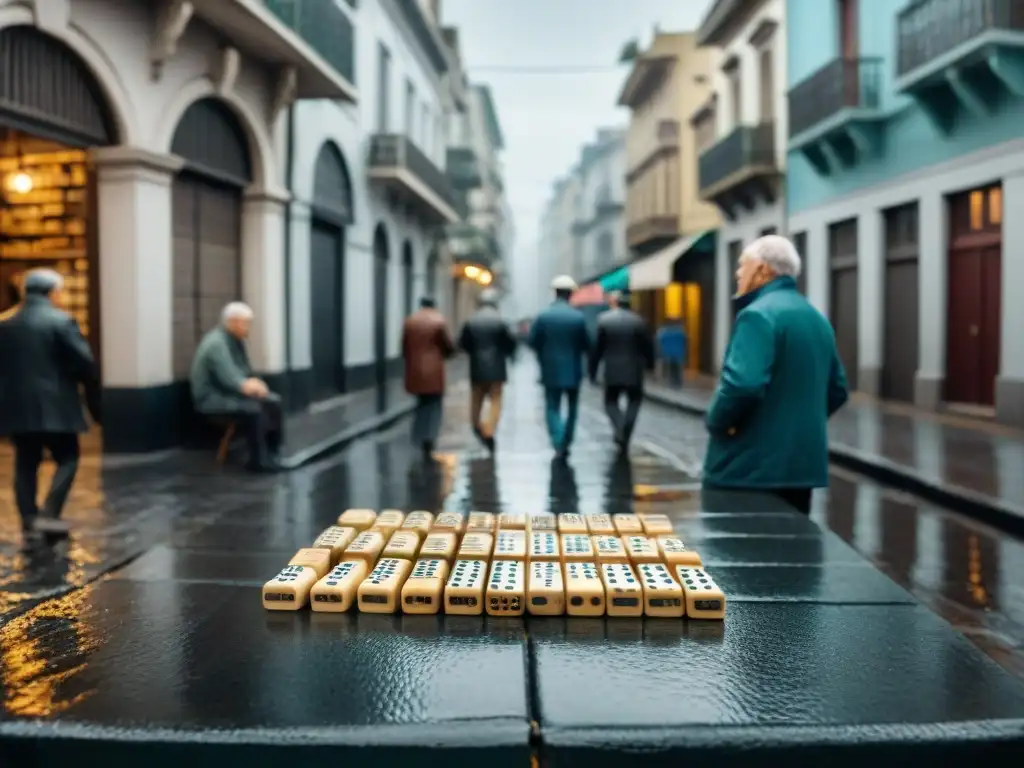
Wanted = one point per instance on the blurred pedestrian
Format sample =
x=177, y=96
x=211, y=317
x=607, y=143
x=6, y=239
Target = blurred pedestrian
x=781, y=381
x=560, y=339
x=44, y=359
x=625, y=345
x=672, y=351
x=489, y=342
x=426, y=345
x=223, y=386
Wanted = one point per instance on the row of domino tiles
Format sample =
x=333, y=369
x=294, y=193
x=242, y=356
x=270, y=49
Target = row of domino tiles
x=507, y=565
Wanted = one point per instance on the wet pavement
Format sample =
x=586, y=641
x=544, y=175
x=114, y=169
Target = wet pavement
x=171, y=652
x=973, y=464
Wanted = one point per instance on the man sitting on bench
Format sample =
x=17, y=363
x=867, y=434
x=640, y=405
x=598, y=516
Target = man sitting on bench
x=223, y=386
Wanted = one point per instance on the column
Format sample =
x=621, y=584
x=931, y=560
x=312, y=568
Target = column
x=263, y=283
x=819, y=274
x=723, y=299
x=135, y=293
x=931, y=275
x=870, y=302
x=1010, y=382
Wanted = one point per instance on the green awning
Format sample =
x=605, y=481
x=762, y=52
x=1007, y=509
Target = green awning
x=655, y=271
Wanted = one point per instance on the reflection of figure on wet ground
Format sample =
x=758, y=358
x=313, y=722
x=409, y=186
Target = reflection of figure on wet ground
x=223, y=386
x=560, y=339
x=781, y=381
x=425, y=485
x=483, y=483
x=563, y=493
x=489, y=342
x=43, y=360
x=426, y=345
x=625, y=346
x=619, y=491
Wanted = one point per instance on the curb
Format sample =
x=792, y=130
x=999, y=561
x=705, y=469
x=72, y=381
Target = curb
x=1006, y=517
x=361, y=429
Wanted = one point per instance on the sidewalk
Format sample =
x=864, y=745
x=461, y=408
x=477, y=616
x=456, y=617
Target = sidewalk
x=970, y=465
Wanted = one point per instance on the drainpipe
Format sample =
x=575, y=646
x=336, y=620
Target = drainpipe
x=289, y=173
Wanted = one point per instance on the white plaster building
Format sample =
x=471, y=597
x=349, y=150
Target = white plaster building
x=742, y=135
x=371, y=203
x=142, y=155
x=600, y=225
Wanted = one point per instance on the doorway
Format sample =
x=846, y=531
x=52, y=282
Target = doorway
x=327, y=289
x=974, y=319
x=900, y=319
x=380, y=314
x=844, y=295
x=407, y=279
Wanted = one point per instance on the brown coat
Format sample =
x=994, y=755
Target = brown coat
x=426, y=344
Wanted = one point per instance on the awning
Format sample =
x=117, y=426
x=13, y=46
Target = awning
x=655, y=271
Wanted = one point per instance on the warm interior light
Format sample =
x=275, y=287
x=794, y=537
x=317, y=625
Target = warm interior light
x=472, y=272
x=485, y=278
x=20, y=182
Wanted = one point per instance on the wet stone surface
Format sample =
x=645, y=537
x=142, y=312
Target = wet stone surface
x=174, y=648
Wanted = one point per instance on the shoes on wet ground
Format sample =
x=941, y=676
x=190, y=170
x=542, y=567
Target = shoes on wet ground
x=51, y=527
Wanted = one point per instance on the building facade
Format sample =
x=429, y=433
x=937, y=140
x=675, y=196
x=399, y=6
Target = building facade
x=170, y=157
x=142, y=158
x=667, y=84
x=904, y=152
x=665, y=215
x=600, y=224
x=742, y=135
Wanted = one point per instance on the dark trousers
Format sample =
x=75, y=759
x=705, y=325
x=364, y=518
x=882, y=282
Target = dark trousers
x=263, y=424
x=798, y=498
x=674, y=372
x=561, y=431
x=426, y=420
x=28, y=455
x=623, y=421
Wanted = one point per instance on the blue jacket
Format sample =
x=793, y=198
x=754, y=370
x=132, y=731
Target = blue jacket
x=781, y=381
x=672, y=343
x=560, y=338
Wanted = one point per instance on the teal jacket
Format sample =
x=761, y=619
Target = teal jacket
x=220, y=366
x=560, y=338
x=781, y=381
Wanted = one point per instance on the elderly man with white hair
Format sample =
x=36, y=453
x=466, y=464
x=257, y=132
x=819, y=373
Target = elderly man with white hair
x=781, y=381
x=44, y=361
x=223, y=386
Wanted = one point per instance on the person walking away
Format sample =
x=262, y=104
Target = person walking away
x=625, y=345
x=560, y=340
x=489, y=342
x=223, y=386
x=44, y=359
x=781, y=381
x=426, y=345
x=672, y=351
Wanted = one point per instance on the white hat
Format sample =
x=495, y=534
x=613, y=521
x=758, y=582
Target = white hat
x=563, y=283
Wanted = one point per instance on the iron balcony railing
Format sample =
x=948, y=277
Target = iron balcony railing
x=840, y=84
x=389, y=150
x=927, y=29
x=463, y=168
x=472, y=245
x=745, y=147
x=327, y=29
x=656, y=227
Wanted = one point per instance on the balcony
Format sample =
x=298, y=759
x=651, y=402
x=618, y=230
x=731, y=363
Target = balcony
x=412, y=179
x=649, y=233
x=464, y=169
x=314, y=39
x=954, y=56
x=470, y=245
x=835, y=114
x=741, y=169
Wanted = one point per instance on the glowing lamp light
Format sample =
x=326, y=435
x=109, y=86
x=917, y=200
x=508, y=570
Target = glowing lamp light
x=472, y=272
x=20, y=182
x=485, y=278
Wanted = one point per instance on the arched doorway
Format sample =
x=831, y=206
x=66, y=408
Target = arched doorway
x=332, y=212
x=207, y=222
x=381, y=258
x=407, y=279
x=52, y=109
